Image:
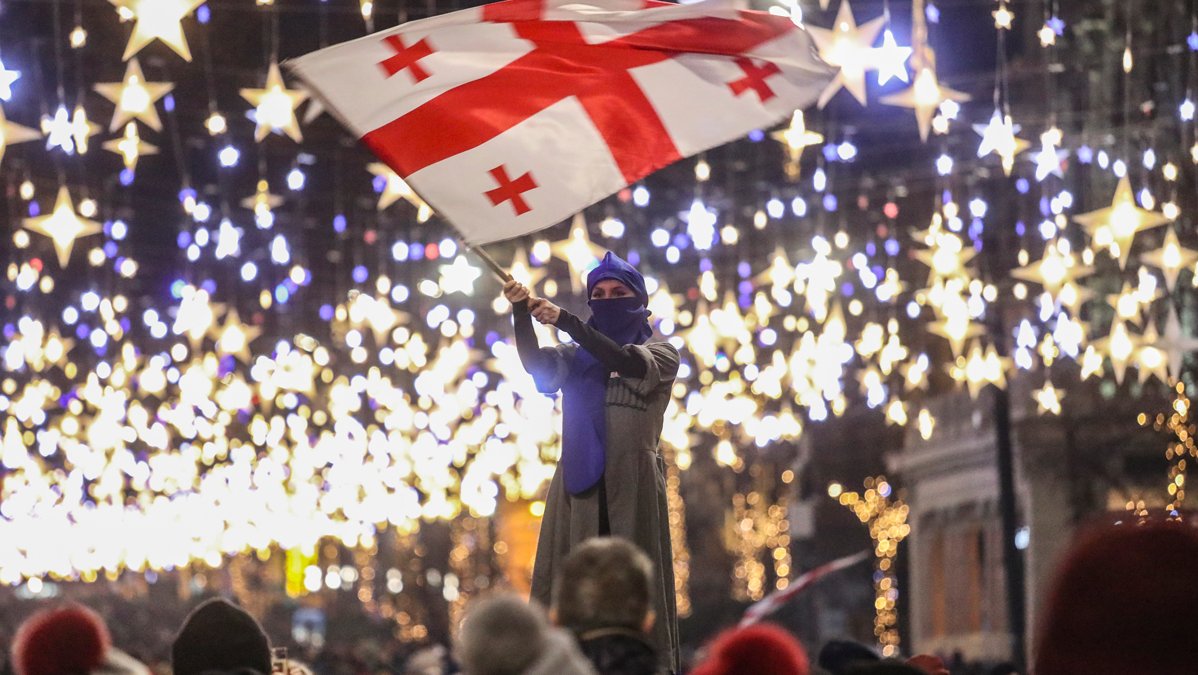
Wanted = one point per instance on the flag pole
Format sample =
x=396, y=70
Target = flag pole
x=487, y=260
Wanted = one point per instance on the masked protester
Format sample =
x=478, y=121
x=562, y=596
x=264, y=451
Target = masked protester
x=615, y=386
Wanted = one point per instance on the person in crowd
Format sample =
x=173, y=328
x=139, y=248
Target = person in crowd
x=753, y=650
x=615, y=387
x=1124, y=602
x=220, y=636
x=504, y=635
x=604, y=597
x=71, y=640
x=838, y=656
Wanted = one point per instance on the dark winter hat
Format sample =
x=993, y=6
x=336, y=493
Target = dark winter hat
x=757, y=649
x=220, y=636
x=837, y=656
x=1124, y=602
x=614, y=267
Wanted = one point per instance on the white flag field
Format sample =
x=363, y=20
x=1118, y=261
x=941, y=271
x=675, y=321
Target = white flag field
x=510, y=117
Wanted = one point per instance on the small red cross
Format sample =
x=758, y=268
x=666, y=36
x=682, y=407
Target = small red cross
x=755, y=79
x=406, y=57
x=511, y=190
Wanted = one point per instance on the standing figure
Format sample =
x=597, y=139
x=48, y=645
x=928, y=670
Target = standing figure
x=615, y=387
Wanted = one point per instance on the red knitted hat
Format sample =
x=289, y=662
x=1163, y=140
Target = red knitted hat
x=65, y=641
x=1125, y=602
x=757, y=649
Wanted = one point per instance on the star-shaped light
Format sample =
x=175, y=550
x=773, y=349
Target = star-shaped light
x=7, y=78
x=134, y=98
x=1120, y=346
x=68, y=132
x=1003, y=16
x=947, y=256
x=1170, y=258
x=1174, y=344
x=228, y=240
x=275, y=106
x=795, y=138
x=998, y=137
x=1128, y=303
x=891, y=59
x=263, y=202
x=12, y=133
x=459, y=277
x=1091, y=363
x=848, y=47
x=130, y=146
x=396, y=188
x=1047, y=35
x=235, y=337
x=1050, y=159
x=577, y=249
x=957, y=328
x=156, y=20
x=926, y=94
x=522, y=271
x=980, y=368
x=63, y=226
x=1048, y=399
x=1116, y=226
x=1054, y=270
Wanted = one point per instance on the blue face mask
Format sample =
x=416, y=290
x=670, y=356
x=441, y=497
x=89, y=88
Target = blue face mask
x=624, y=320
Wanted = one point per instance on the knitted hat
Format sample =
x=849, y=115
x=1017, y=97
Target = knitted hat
x=220, y=636
x=760, y=648
x=1125, y=602
x=68, y=641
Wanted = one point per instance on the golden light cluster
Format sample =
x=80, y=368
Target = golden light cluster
x=1182, y=448
x=886, y=517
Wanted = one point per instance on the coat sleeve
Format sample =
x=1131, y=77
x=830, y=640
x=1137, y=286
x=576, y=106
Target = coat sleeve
x=549, y=366
x=661, y=367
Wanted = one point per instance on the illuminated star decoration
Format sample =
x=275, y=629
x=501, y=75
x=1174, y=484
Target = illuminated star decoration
x=795, y=138
x=1053, y=271
x=1048, y=399
x=134, y=98
x=1174, y=344
x=1003, y=16
x=7, y=78
x=235, y=337
x=522, y=271
x=63, y=226
x=275, y=107
x=847, y=46
x=998, y=137
x=1120, y=346
x=891, y=59
x=926, y=94
x=395, y=188
x=69, y=132
x=459, y=277
x=263, y=202
x=156, y=20
x=12, y=133
x=1170, y=258
x=130, y=146
x=1050, y=159
x=579, y=252
x=1116, y=226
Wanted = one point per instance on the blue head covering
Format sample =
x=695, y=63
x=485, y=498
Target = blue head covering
x=584, y=424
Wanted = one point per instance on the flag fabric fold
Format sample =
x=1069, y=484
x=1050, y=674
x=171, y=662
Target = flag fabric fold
x=510, y=117
x=774, y=601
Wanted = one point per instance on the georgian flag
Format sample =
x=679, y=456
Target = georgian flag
x=510, y=117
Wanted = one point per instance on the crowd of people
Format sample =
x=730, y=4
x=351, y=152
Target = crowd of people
x=1125, y=602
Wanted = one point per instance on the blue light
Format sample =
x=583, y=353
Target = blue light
x=871, y=249
x=34, y=209
x=183, y=240
x=177, y=287
x=744, y=269
x=1022, y=186
x=110, y=249
x=745, y=287
x=127, y=176
x=339, y=223
x=415, y=251
x=1020, y=228
x=208, y=286
x=282, y=294
x=326, y=312
x=1085, y=154
x=892, y=247
x=705, y=265
x=360, y=274
x=379, y=183
x=756, y=135
x=830, y=152
x=932, y=13
x=168, y=102
x=1192, y=41
x=203, y=14
x=634, y=258
x=830, y=202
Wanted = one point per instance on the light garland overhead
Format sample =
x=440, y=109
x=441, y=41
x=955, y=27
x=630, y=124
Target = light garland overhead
x=134, y=98
x=848, y=47
x=156, y=20
x=274, y=107
x=63, y=226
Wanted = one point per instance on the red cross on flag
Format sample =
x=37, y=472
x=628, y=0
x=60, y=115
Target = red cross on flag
x=511, y=117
